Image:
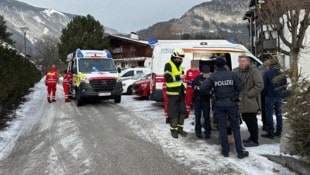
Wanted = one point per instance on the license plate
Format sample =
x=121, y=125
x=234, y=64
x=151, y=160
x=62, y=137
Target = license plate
x=103, y=94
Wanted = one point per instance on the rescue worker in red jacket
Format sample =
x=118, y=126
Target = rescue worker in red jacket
x=191, y=74
x=51, y=80
x=66, y=84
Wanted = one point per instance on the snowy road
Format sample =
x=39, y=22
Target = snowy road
x=60, y=138
x=106, y=138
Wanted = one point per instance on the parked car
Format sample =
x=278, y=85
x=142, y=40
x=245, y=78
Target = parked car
x=128, y=82
x=130, y=72
x=142, y=87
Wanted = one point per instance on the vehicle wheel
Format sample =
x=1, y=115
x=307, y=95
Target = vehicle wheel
x=79, y=100
x=148, y=97
x=129, y=90
x=117, y=99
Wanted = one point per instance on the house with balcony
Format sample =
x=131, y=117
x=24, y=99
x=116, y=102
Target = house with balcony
x=265, y=41
x=129, y=51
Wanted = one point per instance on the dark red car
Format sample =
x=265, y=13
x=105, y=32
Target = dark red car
x=142, y=87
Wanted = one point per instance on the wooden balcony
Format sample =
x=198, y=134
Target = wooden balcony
x=265, y=45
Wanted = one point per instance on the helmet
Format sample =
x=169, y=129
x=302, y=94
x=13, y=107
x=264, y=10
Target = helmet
x=178, y=53
x=53, y=68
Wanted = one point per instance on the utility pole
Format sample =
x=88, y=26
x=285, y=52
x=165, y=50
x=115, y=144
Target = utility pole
x=24, y=30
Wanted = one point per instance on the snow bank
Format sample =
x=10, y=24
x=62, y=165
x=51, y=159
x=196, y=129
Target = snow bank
x=24, y=120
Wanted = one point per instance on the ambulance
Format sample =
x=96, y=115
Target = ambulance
x=94, y=76
x=203, y=51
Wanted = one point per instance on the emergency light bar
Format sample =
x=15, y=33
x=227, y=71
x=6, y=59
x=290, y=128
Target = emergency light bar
x=93, y=54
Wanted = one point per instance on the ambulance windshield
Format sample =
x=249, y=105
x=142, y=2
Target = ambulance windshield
x=88, y=65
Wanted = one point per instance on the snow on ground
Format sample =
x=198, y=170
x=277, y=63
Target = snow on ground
x=62, y=136
x=23, y=122
x=146, y=119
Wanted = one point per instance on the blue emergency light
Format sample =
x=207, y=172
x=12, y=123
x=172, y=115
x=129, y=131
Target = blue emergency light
x=109, y=55
x=79, y=54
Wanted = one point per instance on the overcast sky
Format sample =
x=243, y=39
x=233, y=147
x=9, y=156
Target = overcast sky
x=123, y=15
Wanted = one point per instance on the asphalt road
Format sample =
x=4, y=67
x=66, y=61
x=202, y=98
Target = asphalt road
x=84, y=140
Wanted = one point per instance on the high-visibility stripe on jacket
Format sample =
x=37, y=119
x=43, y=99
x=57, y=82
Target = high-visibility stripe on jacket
x=173, y=88
x=67, y=78
x=51, y=77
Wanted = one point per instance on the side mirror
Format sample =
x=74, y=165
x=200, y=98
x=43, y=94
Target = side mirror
x=119, y=70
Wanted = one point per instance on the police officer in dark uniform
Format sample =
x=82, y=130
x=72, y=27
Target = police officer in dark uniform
x=202, y=103
x=226, y=86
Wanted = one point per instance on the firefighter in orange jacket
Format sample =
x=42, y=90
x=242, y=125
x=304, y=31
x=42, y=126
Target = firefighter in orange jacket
x=191, y=74
x=51, y=80
x=66, y=84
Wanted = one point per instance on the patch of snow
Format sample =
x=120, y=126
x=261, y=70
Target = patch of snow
x=38, y=19
x=50, y=12
x=147, y=121
x=46, y=30
x=53, y=167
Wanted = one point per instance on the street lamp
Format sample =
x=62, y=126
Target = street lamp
x=24, y=30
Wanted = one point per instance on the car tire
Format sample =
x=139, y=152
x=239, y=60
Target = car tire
x=129, y=90
x=117, y=99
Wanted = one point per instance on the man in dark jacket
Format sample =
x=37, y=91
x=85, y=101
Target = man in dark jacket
x=227, y=86
x=253, y=84
x=263, y=69
x=202, y=103
x=274, y=92
x=174, y=76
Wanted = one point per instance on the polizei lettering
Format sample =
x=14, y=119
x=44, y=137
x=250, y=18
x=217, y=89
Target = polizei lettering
x=224, y=83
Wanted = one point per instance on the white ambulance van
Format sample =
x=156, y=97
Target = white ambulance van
x=94, y=76
x=205, y=51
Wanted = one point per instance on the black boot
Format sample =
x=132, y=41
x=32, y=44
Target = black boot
x=174, y=134
x=277, y=134
x=265, y=127
x=225, y=154
x=199, y=135
x=182, y=132
x=268, y=135
x=243, y=155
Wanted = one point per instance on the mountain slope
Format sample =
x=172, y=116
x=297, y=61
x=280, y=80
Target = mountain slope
x=40, y=21
x=212, y=19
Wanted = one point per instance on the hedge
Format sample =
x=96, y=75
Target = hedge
x=17, y=74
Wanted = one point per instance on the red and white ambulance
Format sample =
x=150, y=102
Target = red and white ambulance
x=94, y=75
x=205, y=51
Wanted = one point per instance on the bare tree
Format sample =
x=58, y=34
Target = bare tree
x=48, y=53
x=290, y=19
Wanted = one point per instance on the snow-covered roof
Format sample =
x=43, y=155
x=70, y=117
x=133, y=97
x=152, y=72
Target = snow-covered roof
x=129, y=39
